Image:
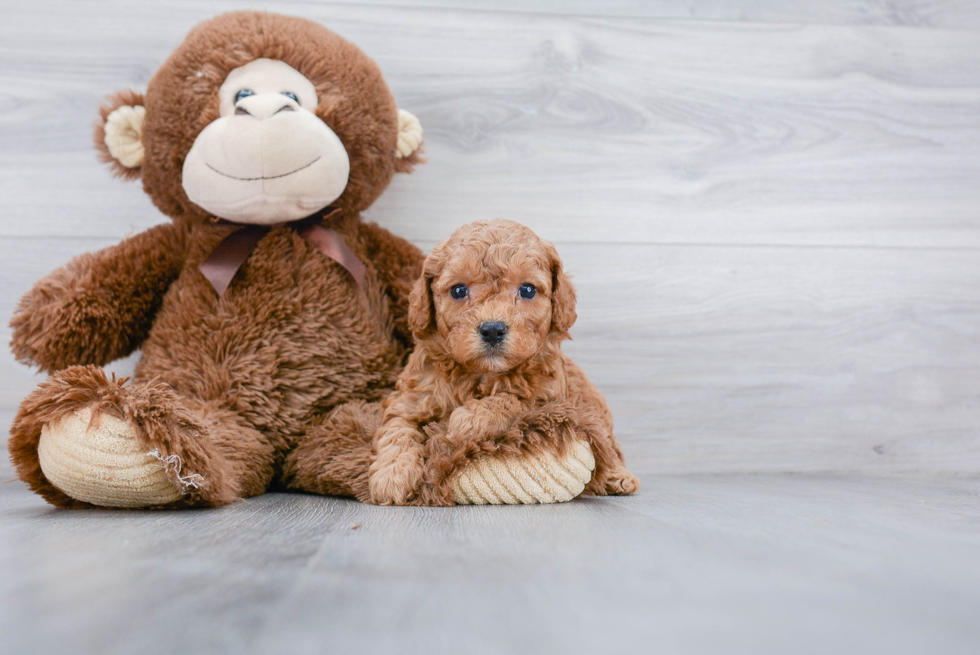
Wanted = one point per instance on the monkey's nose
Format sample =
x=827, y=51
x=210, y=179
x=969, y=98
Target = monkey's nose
x=493, y=332
x=264, y=105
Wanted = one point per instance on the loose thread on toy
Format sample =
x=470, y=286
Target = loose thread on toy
x=174, y=464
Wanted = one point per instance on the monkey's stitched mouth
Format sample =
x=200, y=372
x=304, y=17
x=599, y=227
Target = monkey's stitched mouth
x=271, y=177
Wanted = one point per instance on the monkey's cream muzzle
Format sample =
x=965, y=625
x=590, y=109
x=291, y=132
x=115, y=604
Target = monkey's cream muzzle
x=268, y=158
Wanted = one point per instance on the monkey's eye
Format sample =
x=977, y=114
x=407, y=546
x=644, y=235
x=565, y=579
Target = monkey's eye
x=528, y=291
x=291, y=95
x=244, y=93
x=458, y=292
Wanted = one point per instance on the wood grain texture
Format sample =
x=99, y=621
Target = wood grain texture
x=749, y=359
x=951, y=14
x=743, y=564
x=772, y=225
x=615, y=129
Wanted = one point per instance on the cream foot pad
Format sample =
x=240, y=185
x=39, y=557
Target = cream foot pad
x=520, y=481
x=103, y=464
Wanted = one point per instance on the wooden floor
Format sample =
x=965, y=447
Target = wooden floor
x=695, y=564
x=771, y=209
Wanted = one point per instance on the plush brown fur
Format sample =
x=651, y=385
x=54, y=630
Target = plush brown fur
x=231, y=384
x=458, y=398
x=335, y=456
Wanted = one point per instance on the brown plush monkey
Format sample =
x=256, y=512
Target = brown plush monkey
x=261, y=307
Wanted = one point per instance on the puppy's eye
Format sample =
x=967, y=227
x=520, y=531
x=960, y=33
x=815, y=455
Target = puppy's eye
x=458, y=292
x=528, y=291
x=291, y=95
x=244, y=93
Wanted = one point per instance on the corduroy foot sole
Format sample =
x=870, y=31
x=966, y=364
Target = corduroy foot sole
x=103, y=462
x=544, y=478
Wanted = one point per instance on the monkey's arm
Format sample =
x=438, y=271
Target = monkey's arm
x=398, y=264
x=100, y=306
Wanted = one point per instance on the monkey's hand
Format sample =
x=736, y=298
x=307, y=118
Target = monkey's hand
x=100, y=306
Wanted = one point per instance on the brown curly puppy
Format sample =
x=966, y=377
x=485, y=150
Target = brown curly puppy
x=487, y=376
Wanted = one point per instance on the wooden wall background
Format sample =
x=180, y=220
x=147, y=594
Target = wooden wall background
x=771, y=207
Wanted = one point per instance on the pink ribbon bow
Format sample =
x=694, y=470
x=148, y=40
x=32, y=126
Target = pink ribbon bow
x=223, y=263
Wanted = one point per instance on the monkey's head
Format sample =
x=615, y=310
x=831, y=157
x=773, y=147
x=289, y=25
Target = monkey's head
x=260, y=118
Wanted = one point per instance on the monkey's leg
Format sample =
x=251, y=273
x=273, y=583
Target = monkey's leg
x=333, y=457
x=83, y=440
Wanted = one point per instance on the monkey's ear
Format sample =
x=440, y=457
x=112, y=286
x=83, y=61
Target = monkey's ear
x=409, y=149
x=119, y=132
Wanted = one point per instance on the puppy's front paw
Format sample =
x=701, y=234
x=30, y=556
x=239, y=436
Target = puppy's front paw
x=459, y=417
x=394, y=480
x=460, y=423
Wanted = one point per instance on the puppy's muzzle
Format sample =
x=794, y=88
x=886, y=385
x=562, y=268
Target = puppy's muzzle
x=493, y=332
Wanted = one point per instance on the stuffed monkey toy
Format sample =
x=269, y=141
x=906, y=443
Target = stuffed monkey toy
x=262, y=308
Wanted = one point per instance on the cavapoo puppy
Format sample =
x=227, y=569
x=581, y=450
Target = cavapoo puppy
x=488, y=377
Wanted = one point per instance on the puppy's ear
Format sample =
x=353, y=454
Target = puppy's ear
x=421, y=309
x=119, y=132
x=562, y=295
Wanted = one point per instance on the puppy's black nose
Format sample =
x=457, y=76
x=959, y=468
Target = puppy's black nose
x=493, y=332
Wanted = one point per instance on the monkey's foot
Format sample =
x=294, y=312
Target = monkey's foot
x=541, y=478
x=102, y=461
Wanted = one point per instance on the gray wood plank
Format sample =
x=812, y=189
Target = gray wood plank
x=744, y=359
x=724, y=565
x=611, y=129
x=735, y=359
x=735, y=564
x=950, y=14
